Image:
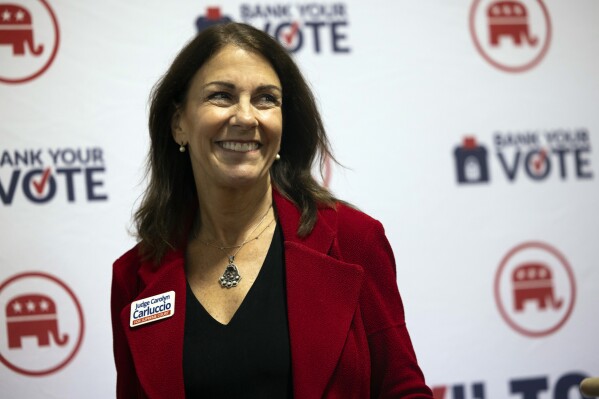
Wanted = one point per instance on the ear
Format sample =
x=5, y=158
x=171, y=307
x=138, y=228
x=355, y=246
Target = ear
x=177, y=131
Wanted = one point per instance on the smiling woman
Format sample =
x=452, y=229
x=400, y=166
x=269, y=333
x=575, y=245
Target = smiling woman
x=276, y=289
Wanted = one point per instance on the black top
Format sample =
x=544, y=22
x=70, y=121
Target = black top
x=250, y=356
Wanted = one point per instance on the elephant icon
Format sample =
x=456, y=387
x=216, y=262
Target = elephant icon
x=16, y=29
x=32, y=315
x=534, y=282
x=509, y=18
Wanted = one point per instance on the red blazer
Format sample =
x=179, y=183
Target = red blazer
x=346, y=321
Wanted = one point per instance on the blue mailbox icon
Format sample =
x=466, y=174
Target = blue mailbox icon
x=471, y=162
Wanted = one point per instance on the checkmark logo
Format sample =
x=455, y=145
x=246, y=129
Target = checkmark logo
x=539, y=161
x=39, y=185
x=288, y=37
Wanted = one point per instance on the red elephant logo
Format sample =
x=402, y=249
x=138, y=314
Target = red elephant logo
x=509, y=18
x=32, y=315
x=16, y=29
x=534, y=282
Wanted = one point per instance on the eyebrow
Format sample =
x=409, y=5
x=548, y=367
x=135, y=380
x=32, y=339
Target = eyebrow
x=231, y=86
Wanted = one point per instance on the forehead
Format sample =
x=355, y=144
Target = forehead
x=238, y=66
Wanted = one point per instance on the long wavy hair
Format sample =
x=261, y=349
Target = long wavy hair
x=170, y=201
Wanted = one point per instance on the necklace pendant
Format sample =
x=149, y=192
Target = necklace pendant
x=230, y=277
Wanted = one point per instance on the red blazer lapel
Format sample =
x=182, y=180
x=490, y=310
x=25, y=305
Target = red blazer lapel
x=157, y=347
x=322, y=298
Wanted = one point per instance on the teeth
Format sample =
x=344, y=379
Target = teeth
x=240, y=147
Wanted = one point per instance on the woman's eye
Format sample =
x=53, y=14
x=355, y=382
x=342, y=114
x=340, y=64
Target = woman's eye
x=220, y=97
x=268, y=99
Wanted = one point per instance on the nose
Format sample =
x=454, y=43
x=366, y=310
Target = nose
x=245, y=116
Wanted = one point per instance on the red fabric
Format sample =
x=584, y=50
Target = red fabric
x=346, y=322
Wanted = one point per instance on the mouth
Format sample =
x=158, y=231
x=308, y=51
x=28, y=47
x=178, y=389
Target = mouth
x=239, y=146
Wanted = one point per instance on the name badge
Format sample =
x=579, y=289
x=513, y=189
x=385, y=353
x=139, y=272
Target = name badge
x=153, y=308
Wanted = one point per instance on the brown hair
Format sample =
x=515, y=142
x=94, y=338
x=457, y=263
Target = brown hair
x=169, y=202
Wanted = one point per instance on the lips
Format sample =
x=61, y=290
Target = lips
x=238, y=146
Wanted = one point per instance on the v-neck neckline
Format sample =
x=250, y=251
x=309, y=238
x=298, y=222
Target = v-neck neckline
x=251, y=292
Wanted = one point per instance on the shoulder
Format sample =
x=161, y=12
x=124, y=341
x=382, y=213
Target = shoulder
x=125, y=268
x=353, y=223
x=346, y=211
x=127, y=261
x=360, y=238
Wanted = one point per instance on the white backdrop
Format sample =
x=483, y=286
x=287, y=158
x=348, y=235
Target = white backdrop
x=477, y=157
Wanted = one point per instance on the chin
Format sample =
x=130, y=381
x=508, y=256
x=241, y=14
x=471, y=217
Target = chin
x=244, y=180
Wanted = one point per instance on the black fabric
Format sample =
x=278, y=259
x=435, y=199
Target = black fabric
x=249, y=357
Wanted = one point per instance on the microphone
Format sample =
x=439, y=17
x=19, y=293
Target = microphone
x=590, y=387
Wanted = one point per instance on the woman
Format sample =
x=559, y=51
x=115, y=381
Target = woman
x=250, y=279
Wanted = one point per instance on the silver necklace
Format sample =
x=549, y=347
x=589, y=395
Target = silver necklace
x=231, y=276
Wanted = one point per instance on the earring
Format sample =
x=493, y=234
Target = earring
x=182, y=148
x=277, y=157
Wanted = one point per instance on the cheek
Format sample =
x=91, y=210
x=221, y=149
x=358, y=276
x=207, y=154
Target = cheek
x=205, y=121
x=274, y=124
x=275, y=138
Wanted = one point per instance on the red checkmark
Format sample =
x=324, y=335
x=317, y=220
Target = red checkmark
x=289, y=36
x=39, y=186
x=537, y=163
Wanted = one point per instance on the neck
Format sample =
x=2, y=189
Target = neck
x=227, y=216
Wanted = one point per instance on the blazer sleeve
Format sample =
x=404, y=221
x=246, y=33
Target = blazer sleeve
x=123, y=291
x=394, y=369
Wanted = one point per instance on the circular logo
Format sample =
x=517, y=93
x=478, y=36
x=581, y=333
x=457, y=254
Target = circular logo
x=43, y=321
x=537, y=164
x=512, y=35
x=290, y=35
x=535, y=289
x=29, y=39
